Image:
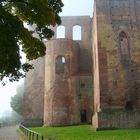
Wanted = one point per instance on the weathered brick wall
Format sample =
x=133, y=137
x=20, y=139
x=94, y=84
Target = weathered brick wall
x=61, y=104
x=85, y=95
x=64, y=97
x=119, y=119
x=119, y=72
x=117, y=55
x=85, y=61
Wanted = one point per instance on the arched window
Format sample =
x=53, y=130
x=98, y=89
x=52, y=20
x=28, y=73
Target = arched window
x=60, y=65
x=124, y=46
x=60, y=32
x=77, y=35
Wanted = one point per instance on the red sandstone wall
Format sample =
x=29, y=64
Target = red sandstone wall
x=85, y=95
x=85, y=61
x=61, y=105
x=119, y=119
x=119, y=78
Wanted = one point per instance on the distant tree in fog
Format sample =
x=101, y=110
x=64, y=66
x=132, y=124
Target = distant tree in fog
x=17, y=100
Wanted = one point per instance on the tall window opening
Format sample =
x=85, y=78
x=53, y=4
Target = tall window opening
x=60, y=65
x=60, y=32
x=77, y=35
x=124, y=46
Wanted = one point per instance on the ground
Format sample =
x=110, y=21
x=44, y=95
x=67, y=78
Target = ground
x=9, y=133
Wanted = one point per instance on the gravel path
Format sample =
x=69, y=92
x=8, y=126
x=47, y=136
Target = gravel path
x=9, y=133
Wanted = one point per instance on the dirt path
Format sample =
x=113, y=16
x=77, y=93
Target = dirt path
x=9, y=133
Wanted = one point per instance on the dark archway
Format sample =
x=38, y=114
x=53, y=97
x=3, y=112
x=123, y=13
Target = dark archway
x=83, y=116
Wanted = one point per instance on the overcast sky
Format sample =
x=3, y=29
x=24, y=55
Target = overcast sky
x=77, y=7
x=71, y=8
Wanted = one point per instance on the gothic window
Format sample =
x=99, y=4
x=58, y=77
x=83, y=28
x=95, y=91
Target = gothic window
x=77, y=32
x=124, y=46
x=60, y=32
x=60, y=65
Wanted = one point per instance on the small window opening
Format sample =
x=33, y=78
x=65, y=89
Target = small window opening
x=60, y=65
x=77, y=32
x=63, y=60
x=60, y=32
x=83, y=116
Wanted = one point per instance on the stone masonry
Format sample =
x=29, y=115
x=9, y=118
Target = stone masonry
x=60, y=89
x=95, y=78
x=116, y=53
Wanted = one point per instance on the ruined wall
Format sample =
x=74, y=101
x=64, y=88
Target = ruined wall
x=85, y=97
x=118, y=45
x=34, y=92
x=60, y=88
x=119, y=119
x=61, y=104
x=118, y=53
x=76, y=89
x=85, y=61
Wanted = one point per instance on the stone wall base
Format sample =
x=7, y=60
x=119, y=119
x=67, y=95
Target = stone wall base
x=32, y=122
x=118, y=119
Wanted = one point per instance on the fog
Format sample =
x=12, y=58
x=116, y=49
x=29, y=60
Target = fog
x=71, y=8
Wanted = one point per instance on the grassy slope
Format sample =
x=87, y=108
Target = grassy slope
x=84, y=132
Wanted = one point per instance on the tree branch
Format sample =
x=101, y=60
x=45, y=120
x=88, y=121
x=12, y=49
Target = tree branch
x=13, y=1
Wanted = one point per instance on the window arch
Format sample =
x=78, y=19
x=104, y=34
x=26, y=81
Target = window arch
x=60, y=65
x=60, y=32
x=77, y=35
x=124, y=46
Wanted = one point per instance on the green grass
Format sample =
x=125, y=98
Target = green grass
x=85, y=132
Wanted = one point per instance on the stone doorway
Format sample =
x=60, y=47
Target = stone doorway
x=83, y=116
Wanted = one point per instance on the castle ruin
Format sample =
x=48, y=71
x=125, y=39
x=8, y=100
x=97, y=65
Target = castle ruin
x=94, y=78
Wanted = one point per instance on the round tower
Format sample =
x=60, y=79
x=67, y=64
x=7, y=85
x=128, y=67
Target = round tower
x=61, y=66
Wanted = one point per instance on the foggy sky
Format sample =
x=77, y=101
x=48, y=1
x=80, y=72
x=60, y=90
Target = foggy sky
x=71, y=8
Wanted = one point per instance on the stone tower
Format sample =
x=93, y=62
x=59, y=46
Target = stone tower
x=61, y=82
x=116, y=53
x=61, y=66
x=67, y=71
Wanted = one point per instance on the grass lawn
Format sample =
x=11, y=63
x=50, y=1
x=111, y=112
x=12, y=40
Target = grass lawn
x=85, y=132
